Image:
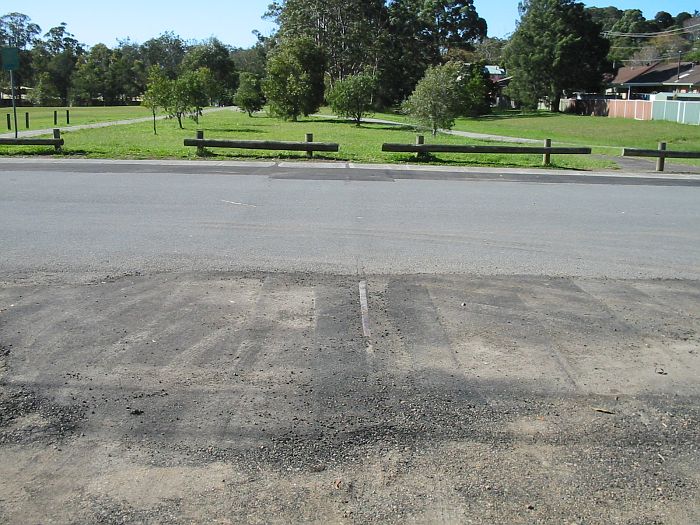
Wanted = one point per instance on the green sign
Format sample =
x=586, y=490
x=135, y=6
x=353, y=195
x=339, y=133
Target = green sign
x=10, y=58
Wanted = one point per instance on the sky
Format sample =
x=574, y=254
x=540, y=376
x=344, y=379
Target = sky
x=233, y=21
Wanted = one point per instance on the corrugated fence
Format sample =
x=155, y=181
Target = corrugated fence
x=671, y=110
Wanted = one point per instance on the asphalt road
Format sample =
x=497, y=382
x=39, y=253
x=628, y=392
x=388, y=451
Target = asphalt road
x=184, y=344
x=108, y=218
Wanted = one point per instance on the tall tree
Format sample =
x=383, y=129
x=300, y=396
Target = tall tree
x=167, y=51
x=249, y=97
x=556, y=47
x=455, y=24
x=17, y=30
x=58, y=54
x=350, y=32
x=216, y=57
x=294, y=84
x=409, y=51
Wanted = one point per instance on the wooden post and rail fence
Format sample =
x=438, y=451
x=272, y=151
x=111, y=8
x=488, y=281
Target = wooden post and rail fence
x=661, y=154
x=422, y=149
x=56, y=141
x=309, y=146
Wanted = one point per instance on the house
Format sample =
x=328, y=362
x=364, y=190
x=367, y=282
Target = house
x=639, y=82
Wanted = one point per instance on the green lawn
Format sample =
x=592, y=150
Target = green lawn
x=361, y=144
x=42, y=118
x=599, y=132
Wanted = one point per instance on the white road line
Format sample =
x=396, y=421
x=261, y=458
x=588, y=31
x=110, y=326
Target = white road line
x=365, y=309
x=240, y=204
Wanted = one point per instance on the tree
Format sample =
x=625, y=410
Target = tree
x=437, y=99
x=409, y=51
x=475, y=90
x=455, y=24
x=189, y=94
x=216, y=57
x=17, y=30
x=44, y=92
x=167, y=51
x=157, y=93
x=351, y=33
x=249, y=96
x=58, y=54
x=294, y=83
x=555, y=48
x=91, y=78
x=352, y=96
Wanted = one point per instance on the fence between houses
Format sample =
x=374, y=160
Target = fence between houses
x=682, y=112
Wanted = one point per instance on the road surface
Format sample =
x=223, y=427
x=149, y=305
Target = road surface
x=187, y=344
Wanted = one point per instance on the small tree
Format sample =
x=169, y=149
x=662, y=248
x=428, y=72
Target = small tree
x=294, y=83
x=249, y=96
x=188, y=94
x=437, y=100
x=352, y=96
x=157, y=93
x=179, y=100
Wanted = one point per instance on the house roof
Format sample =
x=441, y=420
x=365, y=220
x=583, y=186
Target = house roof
x=688, y=77
x=658, y=74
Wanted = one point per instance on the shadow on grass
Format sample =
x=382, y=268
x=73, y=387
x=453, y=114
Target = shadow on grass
x=365, y=125
x=262, y=157
x=235, y=130
x=514, y=115
x=432, y=160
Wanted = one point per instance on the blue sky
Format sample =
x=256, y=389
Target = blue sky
x=232, y=21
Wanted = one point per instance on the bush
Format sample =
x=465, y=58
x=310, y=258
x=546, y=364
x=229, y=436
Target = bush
x=352, y=97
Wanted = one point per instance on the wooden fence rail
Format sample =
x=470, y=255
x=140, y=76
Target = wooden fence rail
x=546, y=151
x=661, y=154
x=309, y=146
x=56, y=141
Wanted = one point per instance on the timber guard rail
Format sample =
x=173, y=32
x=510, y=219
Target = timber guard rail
x=56, y=141
x=423, y=149
x=309, y=146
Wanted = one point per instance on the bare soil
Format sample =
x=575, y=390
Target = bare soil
x=254, y=397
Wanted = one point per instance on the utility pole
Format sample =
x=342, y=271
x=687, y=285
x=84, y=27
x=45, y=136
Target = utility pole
x=678, y=77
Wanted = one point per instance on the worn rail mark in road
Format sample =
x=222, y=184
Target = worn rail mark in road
x=240, y=204
x=365, y=309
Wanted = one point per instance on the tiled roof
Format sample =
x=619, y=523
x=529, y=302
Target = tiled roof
x=659, y=74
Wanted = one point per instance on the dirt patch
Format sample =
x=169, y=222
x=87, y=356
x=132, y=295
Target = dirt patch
x=227, y=398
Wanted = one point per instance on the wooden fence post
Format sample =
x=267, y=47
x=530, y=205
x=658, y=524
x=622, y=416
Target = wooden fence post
x=57, y=136
x=26, y=119
x=420, y=140
x=309, y=138
x=547, y=157
x=661, y=161
x=9, y=122
x=55, y=118
x=68, y=116
x=200, y=136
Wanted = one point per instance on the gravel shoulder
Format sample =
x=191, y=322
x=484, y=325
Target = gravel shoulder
x=229, y=397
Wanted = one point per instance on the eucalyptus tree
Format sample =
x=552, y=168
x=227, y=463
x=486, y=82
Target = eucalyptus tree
x=556, y=48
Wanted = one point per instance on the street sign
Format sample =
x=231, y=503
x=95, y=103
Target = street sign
x=10, y=58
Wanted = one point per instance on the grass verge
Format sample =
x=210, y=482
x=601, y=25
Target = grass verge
x=357, y=144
